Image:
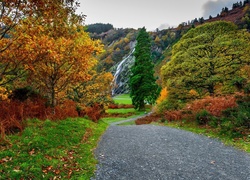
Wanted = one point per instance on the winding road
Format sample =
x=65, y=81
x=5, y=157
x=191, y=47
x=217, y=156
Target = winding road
x=149, y=152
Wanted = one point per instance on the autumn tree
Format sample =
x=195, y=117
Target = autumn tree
x=61, y=63
x=143, y=87
x=95, y=90
x=206, y=58
x=19, y=19
x=58, y=51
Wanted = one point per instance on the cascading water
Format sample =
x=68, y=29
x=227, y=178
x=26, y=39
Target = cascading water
x=121, y=75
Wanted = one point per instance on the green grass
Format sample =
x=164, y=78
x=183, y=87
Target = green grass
x=122, y=99
x=121, y=111
x=240, y=143
x=110, y=120
x=47, y=150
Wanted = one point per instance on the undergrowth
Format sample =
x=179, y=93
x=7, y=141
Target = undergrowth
x=225, y=117
x=14, y=112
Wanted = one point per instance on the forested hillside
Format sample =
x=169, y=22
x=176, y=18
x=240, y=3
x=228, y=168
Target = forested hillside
x=119, y=43
x=198, y=64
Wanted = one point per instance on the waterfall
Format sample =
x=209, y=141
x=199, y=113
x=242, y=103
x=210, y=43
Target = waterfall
x=119, y=70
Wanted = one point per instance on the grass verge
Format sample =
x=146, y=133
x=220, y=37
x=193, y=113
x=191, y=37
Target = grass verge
x=239, y=143
x=121, y=111
x=111, y=119
x=52, y=150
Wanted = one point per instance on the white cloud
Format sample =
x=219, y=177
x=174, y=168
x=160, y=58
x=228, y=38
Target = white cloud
x=163, y=26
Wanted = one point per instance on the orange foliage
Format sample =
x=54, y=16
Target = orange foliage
x=65, y=110
x=124, y=106
x=113, y=106
x=214, y=105
x=163, y=95
x=193, y=93
x=94, y=112
x=173, y=115
x=14, y=112
x=3, y=94
x=147, y=119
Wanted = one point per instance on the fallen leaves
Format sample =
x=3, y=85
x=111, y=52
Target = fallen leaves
x=32, y=152
x=6, y=159
x=87, y=134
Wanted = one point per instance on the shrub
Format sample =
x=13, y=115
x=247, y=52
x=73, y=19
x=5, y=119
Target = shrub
x=228, y=128
x=14, y=112
x=173, y=115
x=64, y=110
x=203, y=117
x=148, y=119
x=247, y=88
x=95, y=112
x=168, y=105
x=213, y=105
x=240, y=116
x=113, y=106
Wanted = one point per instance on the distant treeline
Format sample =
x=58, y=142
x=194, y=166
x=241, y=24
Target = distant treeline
x=99, y=28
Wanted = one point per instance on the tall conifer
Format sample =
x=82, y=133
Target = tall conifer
x=143, y=87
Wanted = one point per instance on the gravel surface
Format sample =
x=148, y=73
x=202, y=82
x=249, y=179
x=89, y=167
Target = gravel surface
x=150, y=152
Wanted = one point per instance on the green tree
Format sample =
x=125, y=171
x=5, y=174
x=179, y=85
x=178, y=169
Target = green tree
x=207, y=57
x=143, y=87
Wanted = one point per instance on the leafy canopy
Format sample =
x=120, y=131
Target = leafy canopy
x=206, y=59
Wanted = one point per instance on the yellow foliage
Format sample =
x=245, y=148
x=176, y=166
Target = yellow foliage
x=193, y=93
x=3, y=94
x=96, y=90
x=163, y=96
x=157, y=39
x=126, y=40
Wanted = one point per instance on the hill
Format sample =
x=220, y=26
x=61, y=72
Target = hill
x=119, y=43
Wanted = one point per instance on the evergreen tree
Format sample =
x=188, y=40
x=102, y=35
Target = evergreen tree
x=143, y=87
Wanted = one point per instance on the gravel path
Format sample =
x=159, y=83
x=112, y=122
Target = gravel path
x=150, y=152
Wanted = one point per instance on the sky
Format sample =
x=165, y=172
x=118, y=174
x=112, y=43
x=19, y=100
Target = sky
x=149, y=13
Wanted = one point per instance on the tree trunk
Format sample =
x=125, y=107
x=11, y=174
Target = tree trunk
x=53, y=100
x=142, y=106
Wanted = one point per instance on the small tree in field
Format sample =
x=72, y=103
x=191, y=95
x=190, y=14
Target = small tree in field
x=143, y=87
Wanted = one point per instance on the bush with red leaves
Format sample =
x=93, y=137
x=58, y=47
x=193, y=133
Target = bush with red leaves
x=65, y=110
x=120, y=106
x=173, y=115
x=148, y=119
x=14, y=112
x=95, y=112
x=214, y=105
x=113, y=106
